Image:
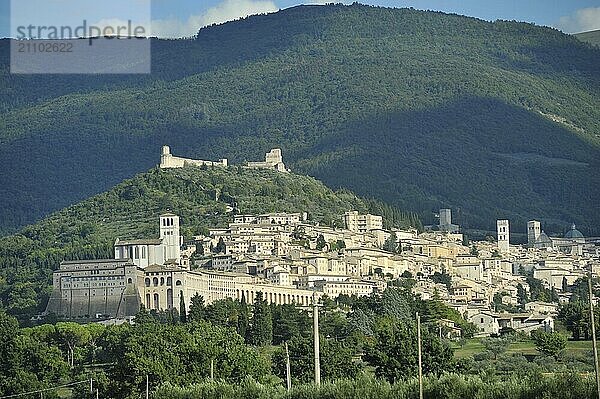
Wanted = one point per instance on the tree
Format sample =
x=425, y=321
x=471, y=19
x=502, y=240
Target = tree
x=182, y=309
x=261, y=328
x=288, y=322
x=243, y=318
x=576, y=318
x=442, y=278
x=220, y=248
x=522, y=295
x=394, y=351
x=143, y=316
x=336, y=360
x=72, y=335
x=321, y=243
x=406, y=274
x=549, y=343
x=391, y=243
x=496, y=346
x=197, y=310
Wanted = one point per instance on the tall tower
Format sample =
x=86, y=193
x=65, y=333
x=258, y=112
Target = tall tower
x=503, y=236
x=445, y=217
x=165, y=157
x=171, y=240
x=534, y=229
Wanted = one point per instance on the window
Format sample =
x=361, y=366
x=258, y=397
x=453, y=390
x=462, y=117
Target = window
x=162, y=281
x=155, y=281
x=137, y=253
x=129, y=281
x=143, y=252
x=178, y=282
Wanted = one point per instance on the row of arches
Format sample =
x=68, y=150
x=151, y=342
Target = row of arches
x=160, y=281
x=155, y=301
x=159, y=301
x=277, y=298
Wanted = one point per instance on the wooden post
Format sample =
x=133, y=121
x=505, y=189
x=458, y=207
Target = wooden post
x=316, y=332
x=420, y=356
x=594, y=332
x=288, y=369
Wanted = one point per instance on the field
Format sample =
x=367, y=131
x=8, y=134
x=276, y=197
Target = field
x=474, y=346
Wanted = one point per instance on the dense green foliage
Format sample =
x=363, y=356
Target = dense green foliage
x=575, y=315
x=359, y=337
x=419, y=109
x=549, y=343
x=131, y=209
x=570, y=386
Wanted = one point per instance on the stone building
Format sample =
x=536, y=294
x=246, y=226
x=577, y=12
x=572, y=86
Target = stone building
x=146, y=252
x=105, y=288
x=168, y=161
x=273, y=160
x=362, y=223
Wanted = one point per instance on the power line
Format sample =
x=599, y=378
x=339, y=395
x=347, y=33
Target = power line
x=44, y=390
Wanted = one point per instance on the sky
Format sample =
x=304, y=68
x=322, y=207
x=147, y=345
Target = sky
x=181, y=18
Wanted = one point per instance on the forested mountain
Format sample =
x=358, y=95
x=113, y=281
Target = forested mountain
x=203, y=197
x=420, y=109
x=592, y=37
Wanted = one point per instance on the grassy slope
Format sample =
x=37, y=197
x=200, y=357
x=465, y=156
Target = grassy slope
x=420, y=109
x=592, y=37
x=130, y=210
x=474, y=346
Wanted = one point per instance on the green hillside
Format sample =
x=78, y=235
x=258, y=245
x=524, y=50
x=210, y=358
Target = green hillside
x=419, y=109
x=88, y=229
x=592, y=37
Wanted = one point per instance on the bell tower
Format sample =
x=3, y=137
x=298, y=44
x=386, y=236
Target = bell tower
x=171, y=240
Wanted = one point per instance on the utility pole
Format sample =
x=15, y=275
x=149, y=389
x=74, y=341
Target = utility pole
x=594, y=332
x=288, y=370
x=91, y=386
x=316, y=331
x=147, y=387
x=212, y=369
x=420, y=357
x=96, y=393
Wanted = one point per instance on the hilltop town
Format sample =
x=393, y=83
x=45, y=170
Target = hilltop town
x=289, y=259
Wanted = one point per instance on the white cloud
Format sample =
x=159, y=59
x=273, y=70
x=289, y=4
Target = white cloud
x=227, y=10
x=582, y=20
x=118, y=27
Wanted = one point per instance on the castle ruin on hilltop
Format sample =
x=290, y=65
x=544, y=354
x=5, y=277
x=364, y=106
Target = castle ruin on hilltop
x=273, y=160
x=168, y=161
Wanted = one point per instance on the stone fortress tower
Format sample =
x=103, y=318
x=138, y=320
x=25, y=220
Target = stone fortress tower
x=446, y=221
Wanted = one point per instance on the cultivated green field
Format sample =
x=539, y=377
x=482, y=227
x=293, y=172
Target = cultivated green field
x=474, y=346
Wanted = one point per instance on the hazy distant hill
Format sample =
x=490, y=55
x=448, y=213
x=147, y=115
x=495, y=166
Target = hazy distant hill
x=592, y=37
x=420, y=109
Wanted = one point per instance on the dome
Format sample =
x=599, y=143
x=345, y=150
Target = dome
x=543, y=239
x=573, y=233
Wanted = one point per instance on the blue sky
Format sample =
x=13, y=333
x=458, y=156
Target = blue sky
x=174, y=18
